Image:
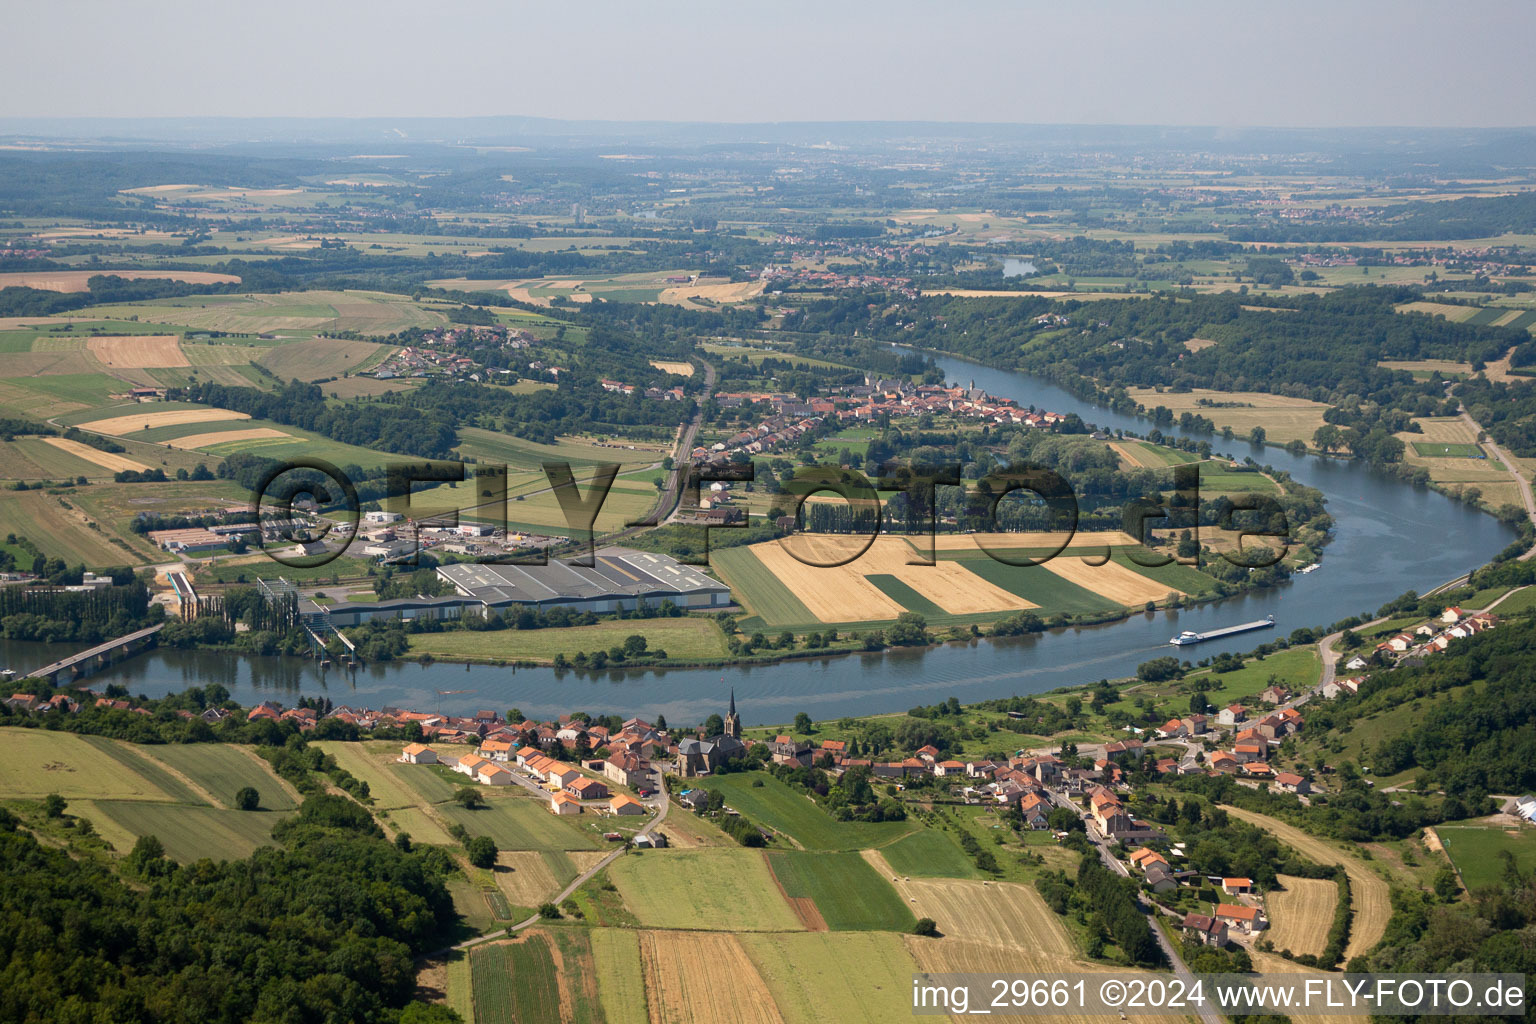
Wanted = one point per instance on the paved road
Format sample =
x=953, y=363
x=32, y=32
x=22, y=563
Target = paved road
x=1525, y=485
x=1208, y=1014
x=1331, y=657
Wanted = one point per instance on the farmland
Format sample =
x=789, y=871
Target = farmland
x=827, y=976
x=776, y=806
x=620, y=979
x=848, y=894
x=718, y=890
x=1000, y=914
x=1301, y=913
x=223, y=769
x=190, y=833
x=929, y=853
x=323, y=357
x=299, y=314
x=1369, y=892
x=794, y=583
x=1283, y=419
x=517, y=821
x=516, y=981
x=686, y=973
x=1477, y=851
x=680, y=638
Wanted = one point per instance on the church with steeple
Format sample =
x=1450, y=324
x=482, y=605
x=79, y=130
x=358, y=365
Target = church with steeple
x=732, y=719
x=702, y=756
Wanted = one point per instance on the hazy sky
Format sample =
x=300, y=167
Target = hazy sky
x=1234, y=62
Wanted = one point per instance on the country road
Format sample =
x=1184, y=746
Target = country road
x=1208, y=1014
x=1524, y=485
x=576, y=883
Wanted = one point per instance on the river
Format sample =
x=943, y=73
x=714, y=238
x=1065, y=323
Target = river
x=1389, y=537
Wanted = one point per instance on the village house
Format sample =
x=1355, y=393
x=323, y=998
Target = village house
x=1143, y=857
x=585, y=788
x=1209, y=930
x=418, y=753
x=1035, y=809
x=1237, y=886
x=788, y=750
x=622, y=804
x=470, y=764
x=1274, y=695
x=496, y=750
x=627, y=770
x=1232, y=715
x=493, y=774
x=1292, y=783
x=564, y=803
x=1246, y=919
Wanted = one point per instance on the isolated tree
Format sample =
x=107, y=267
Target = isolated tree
x=248, y=799
x=54, y=805
x=803, y=723
x=482, y=851
x=469, y=798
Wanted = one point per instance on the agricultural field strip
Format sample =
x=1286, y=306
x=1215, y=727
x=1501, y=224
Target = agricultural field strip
x=1370, y=894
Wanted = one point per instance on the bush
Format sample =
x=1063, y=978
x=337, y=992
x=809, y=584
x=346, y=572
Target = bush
x=549, y=912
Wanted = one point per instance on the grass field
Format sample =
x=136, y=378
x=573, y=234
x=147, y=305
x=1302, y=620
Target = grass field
x=301, y=314
x=1301, y=913
x=1434, y=450
x=776, y=806
x=847, y=892
x=1477, y=850
x=497, y=448
x=518, y=821
x=929, y=853
x=34, y=763
x=680, y=638
x=620, y=979
x=191, y=833
x=712, y=890
x=849, y=977
x=61, y=529
x=223, y=769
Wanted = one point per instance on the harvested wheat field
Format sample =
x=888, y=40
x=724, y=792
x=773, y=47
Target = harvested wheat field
x=997, y=541
x=1111, y=580
x=1301, y=914
x=948, y=584
x=961, y=956
x=681, y=369
x=1199, y=344
x=151, y=420
x=192, y=442
x=1369, y=894
x=106, y=460
x=832, y=595
x=997, y=914
x=703, y=978
x=738, y=291
x=525, y=878
x=1269, y=963
x=138, y=351
x=75, y=280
